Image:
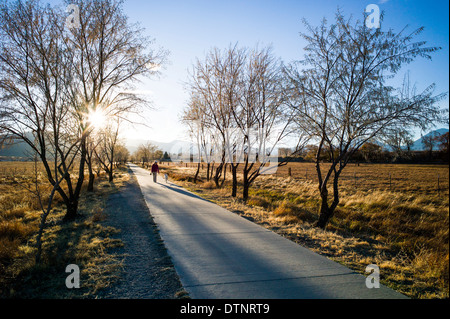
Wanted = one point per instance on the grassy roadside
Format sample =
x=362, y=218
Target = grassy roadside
x=85, y=242
x=405, y=233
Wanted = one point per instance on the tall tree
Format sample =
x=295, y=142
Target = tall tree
x=443, y=144
x=236, y=99
x=35, y=82
x=208, y=84
x=215, y=88
x=261, y=115
x=105, y=151
x=341, y=97
x=145, y=153
x=400, y=141
x=194, y=118
x=111, y=55
x=54, y=76
x=428, y=142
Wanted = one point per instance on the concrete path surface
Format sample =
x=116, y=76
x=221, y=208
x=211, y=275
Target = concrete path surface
x=220, y=255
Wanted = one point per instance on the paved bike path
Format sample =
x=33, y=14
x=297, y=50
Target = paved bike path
x=220, y=255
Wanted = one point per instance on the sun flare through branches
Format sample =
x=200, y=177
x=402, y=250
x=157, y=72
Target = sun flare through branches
x=97, y=118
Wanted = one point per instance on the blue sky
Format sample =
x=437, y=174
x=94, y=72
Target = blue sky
x=189, y=28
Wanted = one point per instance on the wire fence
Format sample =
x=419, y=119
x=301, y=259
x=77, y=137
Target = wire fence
x=422, y=178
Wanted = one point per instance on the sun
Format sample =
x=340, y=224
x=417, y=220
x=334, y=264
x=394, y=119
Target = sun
x=97, y=118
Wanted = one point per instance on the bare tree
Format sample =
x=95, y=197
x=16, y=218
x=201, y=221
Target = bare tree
x=193, y=118
x=400, y=141
x=105, y=152
x=370, y=151
x=215, y=90
x=341, y=98
x=122, y=154
x=428, y=143
x=145, y=153
x=443, y=144
x=261, y=116
x=211, y=84
x=53, y=78
x=111, y=56
x=236, y=99
x=35, y=74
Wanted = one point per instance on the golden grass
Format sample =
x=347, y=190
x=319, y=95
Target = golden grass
x=85, y=241
x=404, y=229
x=417, y=178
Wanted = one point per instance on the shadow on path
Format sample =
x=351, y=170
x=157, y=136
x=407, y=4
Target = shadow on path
x=148, y=269
x=180, y=190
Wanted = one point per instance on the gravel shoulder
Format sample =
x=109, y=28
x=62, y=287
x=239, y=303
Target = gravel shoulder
x=148, y=271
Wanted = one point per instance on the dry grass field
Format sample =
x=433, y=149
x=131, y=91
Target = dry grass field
x=84, y=241
x=413, y=178
x=401, y=224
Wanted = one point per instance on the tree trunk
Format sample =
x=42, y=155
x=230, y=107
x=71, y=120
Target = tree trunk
x=234, y=189
x=91, y=179
x=326, y=211
x=72, y=204
x=224, y=174
x=111, y=166
x=217, y=175
x=72, y=209
x=89, y=162
x=246, y=186
x=196, y=173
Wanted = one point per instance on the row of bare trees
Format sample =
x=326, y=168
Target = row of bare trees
x=236, y=112
x=146, y=153
x=107, y=151
x=336, y=97
x=59, y=81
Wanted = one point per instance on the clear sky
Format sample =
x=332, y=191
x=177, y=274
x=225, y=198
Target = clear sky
x=189, y=28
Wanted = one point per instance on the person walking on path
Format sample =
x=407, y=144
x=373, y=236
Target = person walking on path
x=155, y=171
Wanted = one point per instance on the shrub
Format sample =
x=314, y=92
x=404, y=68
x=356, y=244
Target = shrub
x=288, y=209
x=258, y=201
x=209, y=185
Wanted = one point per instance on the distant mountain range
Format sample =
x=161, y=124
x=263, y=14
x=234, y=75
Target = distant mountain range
x=170, y=147
x=173, y=146
x=17, y=150
x=419, y=145
x=22, y=150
